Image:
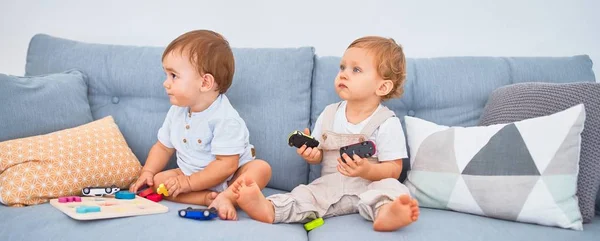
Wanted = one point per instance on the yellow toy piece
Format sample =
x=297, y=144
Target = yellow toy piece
x=314, y=224
x=162, y=190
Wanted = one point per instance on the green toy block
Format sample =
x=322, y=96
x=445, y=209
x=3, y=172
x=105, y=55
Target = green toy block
x=314, y=224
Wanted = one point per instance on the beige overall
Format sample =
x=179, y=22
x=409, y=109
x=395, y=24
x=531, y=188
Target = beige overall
x=334, y=194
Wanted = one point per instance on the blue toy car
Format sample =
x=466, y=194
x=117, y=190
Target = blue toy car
x=198, y=213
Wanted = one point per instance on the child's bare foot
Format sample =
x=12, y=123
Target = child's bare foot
x=397, y=214
x=252, y=201
x=225, y=206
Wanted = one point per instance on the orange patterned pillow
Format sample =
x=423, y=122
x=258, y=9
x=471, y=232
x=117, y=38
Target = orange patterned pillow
x=38, y=168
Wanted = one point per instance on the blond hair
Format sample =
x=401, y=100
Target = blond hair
x=389, y=61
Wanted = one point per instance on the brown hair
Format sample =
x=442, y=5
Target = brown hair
x=389, y=61
x=209, y=52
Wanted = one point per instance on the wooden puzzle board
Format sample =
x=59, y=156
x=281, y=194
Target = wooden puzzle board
x=110, y=207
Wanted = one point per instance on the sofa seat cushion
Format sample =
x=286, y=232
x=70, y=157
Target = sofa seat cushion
x=44, y=222
x=445, y=225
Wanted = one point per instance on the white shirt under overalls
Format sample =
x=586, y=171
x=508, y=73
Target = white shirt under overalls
x=389, y=137
x=200, y=136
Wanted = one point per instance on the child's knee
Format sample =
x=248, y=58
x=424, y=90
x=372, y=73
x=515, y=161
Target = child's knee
x=262, y=166
x=256, y=166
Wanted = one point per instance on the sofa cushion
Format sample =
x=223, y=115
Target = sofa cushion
x=44, y=222
x=36, y=105
x=35, y=169
x=270, y=90
x=524, y=171
x=445, y=225
x=453, y=90
x=528, y=100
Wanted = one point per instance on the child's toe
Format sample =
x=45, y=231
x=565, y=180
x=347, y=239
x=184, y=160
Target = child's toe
x=404, y=199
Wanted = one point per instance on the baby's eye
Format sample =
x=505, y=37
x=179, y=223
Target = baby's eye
x=342, y=67
x=173, y=76
x=356, y=70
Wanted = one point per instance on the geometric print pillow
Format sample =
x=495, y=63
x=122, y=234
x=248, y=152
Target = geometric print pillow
x=35, y=169
x=522, y=101
x=524, y=171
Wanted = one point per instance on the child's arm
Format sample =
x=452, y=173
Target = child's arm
x=215, y=173
x=162, y=150
x=158, y=157
x=361, y=167
x=383, y=170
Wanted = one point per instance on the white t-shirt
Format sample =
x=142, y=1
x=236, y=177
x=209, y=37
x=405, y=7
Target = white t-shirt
x=218, y=130
x=388, y=138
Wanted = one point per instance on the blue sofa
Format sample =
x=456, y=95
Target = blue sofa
x=277, y=91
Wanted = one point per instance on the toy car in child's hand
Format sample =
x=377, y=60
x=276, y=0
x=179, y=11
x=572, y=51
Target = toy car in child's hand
x=363, y=149
x=100, y=191
x=298, y=139
x=198, y=213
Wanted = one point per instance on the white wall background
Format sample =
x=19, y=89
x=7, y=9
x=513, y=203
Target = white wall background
x=425, y=28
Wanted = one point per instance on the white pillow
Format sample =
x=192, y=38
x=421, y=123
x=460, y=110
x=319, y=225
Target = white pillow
x=524, y=171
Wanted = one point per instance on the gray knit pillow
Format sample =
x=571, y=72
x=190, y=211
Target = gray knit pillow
x=528, y=100
x=598, y=202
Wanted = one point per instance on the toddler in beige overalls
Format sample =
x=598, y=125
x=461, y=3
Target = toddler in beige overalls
x=371, y=71
x=334, y=194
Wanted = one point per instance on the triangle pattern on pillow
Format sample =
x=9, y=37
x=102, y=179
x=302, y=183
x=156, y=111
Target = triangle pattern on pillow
x=437, y=153
x=505, y=154
x=508, y=192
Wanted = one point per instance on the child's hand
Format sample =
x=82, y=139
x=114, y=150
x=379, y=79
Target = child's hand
x=353, y=168
x=311, y=155
x=178, y=185
x=146, y=177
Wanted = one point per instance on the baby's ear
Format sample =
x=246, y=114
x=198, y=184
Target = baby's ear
x=208, y=83
x=384, y=87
